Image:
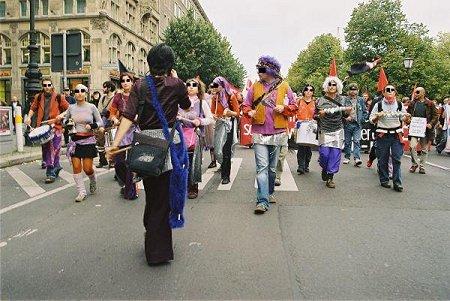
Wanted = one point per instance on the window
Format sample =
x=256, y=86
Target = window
x=2, y=9
x=145, y=26
x=5, y=50
x=44, y=4
x=23, y=8
x=43, y=44
x=68, y=7
x=114, y=48
x=81, y=6
x=130, y=13
x=130, y=56
x=5, y=89
x=142, y=62
x=154, y=32
x=115, y=9
x=177, y=10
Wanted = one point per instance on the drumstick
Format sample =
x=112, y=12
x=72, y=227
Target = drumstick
x=49, y=121
x=120, y=150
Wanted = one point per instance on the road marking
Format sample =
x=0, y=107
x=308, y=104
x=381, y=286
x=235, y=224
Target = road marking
x=287, y=180
x=3, y=243
x=45, y=194
x=432, y=164
x=206, y=177
x=235, y=165
x=68, y=177
x=25, y=182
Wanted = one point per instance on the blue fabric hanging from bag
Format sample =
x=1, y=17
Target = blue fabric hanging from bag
x=180, y=163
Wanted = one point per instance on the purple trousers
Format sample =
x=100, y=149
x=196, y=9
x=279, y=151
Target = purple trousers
x=330, y=159
x=125, y=176
x=51, y=151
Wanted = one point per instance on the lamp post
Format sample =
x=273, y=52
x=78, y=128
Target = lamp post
x=33, y=74
x=408, y=63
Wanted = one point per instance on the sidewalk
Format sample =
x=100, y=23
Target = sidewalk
x=29, y=154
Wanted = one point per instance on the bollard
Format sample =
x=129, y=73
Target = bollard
x=19, y=128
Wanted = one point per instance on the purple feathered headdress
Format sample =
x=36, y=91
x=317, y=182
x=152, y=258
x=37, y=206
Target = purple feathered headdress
x=227, y=89
x=271, y=63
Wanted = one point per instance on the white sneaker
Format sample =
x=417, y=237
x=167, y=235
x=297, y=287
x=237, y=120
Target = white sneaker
x=358, y=162
x=80, y=197
x=272, y=199
x=346, y=161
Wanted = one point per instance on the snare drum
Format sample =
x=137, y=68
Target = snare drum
x=42, y=134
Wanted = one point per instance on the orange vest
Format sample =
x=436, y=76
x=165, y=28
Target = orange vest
x=280, y=121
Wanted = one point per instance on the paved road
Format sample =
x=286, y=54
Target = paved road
x=356, y=241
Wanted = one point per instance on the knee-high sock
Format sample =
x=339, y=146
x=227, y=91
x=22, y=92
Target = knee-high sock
x=79, y=183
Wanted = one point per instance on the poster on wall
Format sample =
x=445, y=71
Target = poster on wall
x=5, y=121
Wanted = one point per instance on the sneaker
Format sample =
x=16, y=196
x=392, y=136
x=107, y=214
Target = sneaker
x=398, y=187
x=93, y=186
x=300, y=171
x=307, y=169
x=346, y=161
x=358, y=162
x=260, y=208
x=192, y=195
x=272, y=199
x=57, y=170
x=413, y=168
x=43, y=165
x=225, y=181
x=330, y=183
x=212, y=164
x=422, y=170
x=277, y=182
x=385, y=185
x=50, y=179
x=369, y=164
x=80, y=197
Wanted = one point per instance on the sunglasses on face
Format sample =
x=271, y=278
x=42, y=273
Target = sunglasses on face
x=309, y=90
x=417, y=92
x=389, y=90
x=262, y=69
x=125, y=80
x=46, y=85
x=192, y=84
x=214, y=85
x=332, y=84
x=80, y=91
x=354, y=89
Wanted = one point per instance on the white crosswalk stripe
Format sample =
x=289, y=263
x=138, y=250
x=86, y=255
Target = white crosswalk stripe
x=287, y=180
x=208, y=175
x=25, y=182
x=68, y=177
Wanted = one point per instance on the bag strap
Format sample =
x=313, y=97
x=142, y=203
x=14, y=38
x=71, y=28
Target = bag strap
x=333, y=101
x=275, y=85
x=159, y=111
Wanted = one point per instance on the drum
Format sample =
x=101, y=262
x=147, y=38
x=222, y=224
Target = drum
x=42, y=134
x=307, y=133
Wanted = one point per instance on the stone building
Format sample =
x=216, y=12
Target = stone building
x=111, y=29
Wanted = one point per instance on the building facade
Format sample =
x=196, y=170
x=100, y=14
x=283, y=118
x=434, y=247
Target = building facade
x=111, y=30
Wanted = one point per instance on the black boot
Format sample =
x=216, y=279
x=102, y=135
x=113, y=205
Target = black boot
x=102, y=162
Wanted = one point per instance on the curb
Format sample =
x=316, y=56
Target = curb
x=25, y=158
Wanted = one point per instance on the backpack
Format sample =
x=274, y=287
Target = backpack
x=380, y=106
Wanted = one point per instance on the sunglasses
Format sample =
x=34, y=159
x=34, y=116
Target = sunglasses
x=125, y=80
x=389, y=90
x=309, y=89
x=46, y=85
x=417, y=92
x=80, y=91
x=214, y=85
x=332, y=85
x=354, y=89
x=262, y=69
x=192, y=84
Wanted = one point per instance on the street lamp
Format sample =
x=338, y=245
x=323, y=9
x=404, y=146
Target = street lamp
x=408, y=62
x=33, y=74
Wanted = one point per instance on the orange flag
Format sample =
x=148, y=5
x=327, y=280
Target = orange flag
x=333, y=69
x=382, y=80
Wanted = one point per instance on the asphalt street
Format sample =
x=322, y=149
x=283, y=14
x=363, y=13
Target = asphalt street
x=358, y=241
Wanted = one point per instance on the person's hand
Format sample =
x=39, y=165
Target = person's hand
x=429, y=126
x=380, y=114
x=28, y=121
x=321, y=113
x=115, y=121
x=349, y=110
x=439, y=126
x=87, y=126
x=279, y=109
x=348, y=118
x=59, y=118
x=173, y=73
x=196, y=122
x=109, y=152
x=251, y=113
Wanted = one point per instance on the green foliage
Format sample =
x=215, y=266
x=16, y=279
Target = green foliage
x=380, y=28
x=201, y=50
x=313, y=63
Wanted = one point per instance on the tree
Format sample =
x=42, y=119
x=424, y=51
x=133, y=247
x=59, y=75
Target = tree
x=312, y=64
x=201, y=50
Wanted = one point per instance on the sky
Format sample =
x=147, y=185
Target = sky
x=282, y=28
